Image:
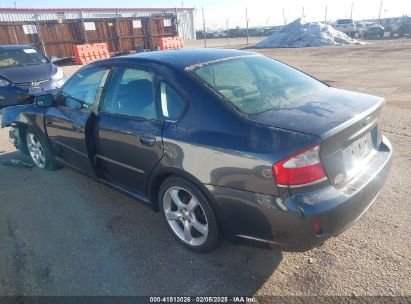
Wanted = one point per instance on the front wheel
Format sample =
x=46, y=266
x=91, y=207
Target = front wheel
x=39, y=150
x=189, y=214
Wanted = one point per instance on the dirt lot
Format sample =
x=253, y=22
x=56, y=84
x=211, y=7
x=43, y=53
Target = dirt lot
x=64, y=234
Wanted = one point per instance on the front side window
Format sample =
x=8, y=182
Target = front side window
x=172, y=104
x=131, y=93
x=20, y=57
x=254, y=84
x=82, y=87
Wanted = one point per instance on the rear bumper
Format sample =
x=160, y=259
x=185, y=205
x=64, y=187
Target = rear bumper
x=286, y=222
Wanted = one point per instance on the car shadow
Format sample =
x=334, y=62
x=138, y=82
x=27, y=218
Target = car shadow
x=66, y=234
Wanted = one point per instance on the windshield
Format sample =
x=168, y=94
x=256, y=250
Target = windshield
x=344, y=21
x=255, y=84
x=20, y=57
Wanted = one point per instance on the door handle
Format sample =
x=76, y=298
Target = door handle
x=148, y=140
x=76, y=127
x=49, y=122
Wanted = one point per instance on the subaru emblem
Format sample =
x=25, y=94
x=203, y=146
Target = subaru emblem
x=366, y=121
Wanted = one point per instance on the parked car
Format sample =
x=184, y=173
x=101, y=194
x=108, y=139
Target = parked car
x=347, y=26
x=220, y=34
x=221, y=142
x=387, y=23
x=24, y=70
x=402, y=26
x=373, y=30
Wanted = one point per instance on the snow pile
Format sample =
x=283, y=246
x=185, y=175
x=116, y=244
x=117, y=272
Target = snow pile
x=299, y=34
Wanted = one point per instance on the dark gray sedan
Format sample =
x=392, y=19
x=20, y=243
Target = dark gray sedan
x=224, y=143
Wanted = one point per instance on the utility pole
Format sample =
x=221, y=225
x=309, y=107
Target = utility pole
x=302, y=15
x=177, y=21
x=120, y=44
x=204, y=29
x=246, y=20
x=379, y=15
x=325, y=15
x=39, y=35
x=285, y=21
x=228, y=35
x=84, y=27
x=349, y=33
x=352, y=4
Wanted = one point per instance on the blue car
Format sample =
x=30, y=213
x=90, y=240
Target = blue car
x=23, y=71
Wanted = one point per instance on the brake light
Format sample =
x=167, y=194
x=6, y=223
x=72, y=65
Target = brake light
x=300, y=169
x=317, y=225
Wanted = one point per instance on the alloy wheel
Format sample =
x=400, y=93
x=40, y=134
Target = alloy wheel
x=36, y=150
x=185, y=215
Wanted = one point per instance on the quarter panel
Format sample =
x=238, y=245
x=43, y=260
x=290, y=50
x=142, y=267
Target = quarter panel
x=221, y=148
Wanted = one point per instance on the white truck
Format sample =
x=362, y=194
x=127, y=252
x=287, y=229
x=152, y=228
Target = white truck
x=347, y=26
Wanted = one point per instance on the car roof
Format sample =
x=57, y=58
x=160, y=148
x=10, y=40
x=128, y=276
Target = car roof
x=180, y=59
x=15, y=47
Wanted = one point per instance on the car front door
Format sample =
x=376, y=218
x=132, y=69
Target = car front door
x=70, y=123
x=129, y=143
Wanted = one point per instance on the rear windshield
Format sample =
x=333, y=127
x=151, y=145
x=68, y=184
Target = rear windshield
x=255, y=84
x=20, y=57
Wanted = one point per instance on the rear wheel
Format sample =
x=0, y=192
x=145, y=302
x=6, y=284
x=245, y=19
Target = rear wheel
x=189, y=214
x=39, y=150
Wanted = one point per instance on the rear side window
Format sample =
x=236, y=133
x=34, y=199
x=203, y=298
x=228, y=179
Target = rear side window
x=172, y=104
x=255, y=84
x=131, y=93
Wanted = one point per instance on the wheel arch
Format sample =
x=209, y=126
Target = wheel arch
x=159, y=176
x=28, y=115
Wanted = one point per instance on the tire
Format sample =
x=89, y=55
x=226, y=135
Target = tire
x=18, y=137
x=39, y=150
x=189, y=215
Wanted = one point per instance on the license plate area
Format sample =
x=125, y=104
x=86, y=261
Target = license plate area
x=35, y=89
x=360, y=148
x=357, y=155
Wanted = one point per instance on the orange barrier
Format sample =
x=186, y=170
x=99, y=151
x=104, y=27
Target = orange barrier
x=170, y=43
x=85, y=53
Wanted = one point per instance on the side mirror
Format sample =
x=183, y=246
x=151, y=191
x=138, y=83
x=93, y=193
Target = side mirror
x=73, y=103
x=44, y=101
x=53, y=58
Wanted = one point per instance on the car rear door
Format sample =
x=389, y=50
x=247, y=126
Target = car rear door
x=70, y=123
x=128, y=140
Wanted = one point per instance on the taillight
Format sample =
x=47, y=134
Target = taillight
x=300, y=169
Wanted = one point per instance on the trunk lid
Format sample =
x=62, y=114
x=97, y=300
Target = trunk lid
x=347, y=123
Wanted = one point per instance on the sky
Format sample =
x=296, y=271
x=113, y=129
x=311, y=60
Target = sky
x=260, y=12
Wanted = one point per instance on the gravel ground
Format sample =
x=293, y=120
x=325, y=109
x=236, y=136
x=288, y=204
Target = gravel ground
x=64, y=234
